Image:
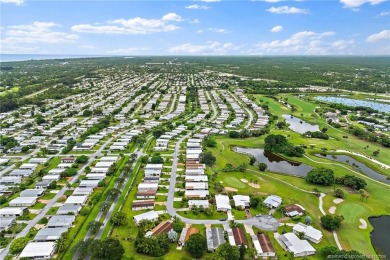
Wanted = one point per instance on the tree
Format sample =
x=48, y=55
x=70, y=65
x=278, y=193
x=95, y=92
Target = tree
x=94, y=226
x=172, y=236
x=331, y=222
x=308, y=220
x=196, y=245
x=207, y=158
x=156, y=159
x=87, y=113
x=18, y=245
x=228, y=252
x=158, y=132
x=82, y=159
x=113, y=193
x=242, y=252
x=133, y=157
x=376, y=153
x=119, y=219
x=321, y=176
x=210, y=142
x=339, y=193
x=104, y=207
x=234, y=134
x=83, y=247
x=262, y=166
x=252, y=160
x=254, y=201
x=178, y=225
x=61, y=243
x=110, y=248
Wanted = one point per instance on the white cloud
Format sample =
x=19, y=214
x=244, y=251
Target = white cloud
x=198, y=7
x=306, y=42
x=278, y=28
x=37, y=32
x=287, y=10
x=195, y=21
x=357, y=3
x=172, y=17
x=209, y=1
x=17, y=2
x=211, y=48
x=131, y=50
x=135, y=25
x=383, y=14
x=216, y=30
x=383, y=35
x=269, y=1
x=88, y=47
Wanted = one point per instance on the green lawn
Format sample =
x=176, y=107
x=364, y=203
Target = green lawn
x=233, y=182
x=352, y=212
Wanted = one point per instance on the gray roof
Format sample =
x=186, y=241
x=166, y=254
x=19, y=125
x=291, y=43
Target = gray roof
x=49, y=234
x=61, y=221
x=66, y=209
x=32, y=193
x=6, y=221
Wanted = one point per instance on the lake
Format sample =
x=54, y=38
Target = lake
x=355, y=103
x=276, y=163
x=357, y=165
x=300, y=126
x=380, y=237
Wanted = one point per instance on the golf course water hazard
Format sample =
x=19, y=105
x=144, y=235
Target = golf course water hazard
x=359, y=166
x=380, y=237
x=298, y=125
x=355, y=103
x=276, y=163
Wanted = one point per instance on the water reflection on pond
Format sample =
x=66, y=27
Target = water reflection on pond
x=355, y=103
x=298, y=125
x=357, y=165
x=276, y=163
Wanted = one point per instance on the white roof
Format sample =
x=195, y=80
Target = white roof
x=109, y=158
x=309, y=231
x=76, y=199
x=273, y=200
x=150, y=215
x=19, y=200
x=11, y=211
x=222, y=201
x=38, y=249
x=295, y=245
x=103, y=164
x=241, y=200
x=204, y=203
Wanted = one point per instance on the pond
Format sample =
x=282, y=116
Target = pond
x=380, y=238
x=276, y=163
x=357, y=165
x=355, y=103
x=300, y=126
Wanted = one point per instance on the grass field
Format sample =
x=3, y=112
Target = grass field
x=352, y=212
x=233, y=182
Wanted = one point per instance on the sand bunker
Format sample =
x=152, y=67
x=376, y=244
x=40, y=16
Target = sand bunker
x=230, y=189
x=337, y=201
x=332, y=210
x=253, y=185
x=363, y=224
x=244, y=180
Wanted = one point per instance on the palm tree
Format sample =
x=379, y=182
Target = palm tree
x=61, y=243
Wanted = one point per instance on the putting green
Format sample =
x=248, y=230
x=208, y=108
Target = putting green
x=351, y=212
x=233, y=182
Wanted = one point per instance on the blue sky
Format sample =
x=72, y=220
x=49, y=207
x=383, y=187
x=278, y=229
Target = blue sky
x=208, y=27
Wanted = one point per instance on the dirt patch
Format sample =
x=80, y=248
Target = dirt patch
x=230, y=189
x=253, y=185
x=332, y=210
x=363, y=224
x=337, y=201
x=244, y=180
x=44, y=201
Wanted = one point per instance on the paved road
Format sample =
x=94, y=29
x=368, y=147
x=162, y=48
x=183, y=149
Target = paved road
x=244, y=106
x=171, y=195
x=50, y=204
x=215, y=110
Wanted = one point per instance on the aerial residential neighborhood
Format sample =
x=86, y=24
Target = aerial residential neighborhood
x=210, y=129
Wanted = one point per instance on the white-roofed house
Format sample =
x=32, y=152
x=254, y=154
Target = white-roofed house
x=272, y=201
x=38, y=250
x=222, y=202
x=311, y=233
x=241, y=201
x=150, y=215
x=293, y=244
